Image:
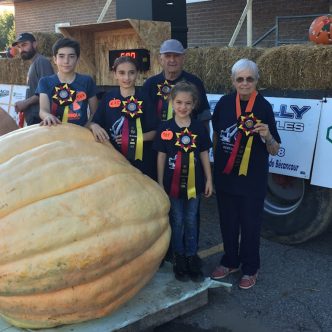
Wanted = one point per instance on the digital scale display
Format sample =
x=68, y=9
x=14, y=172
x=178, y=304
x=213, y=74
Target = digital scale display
x=141, y=56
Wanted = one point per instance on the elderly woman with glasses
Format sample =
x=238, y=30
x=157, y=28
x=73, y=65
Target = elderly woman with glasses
x=245, y=134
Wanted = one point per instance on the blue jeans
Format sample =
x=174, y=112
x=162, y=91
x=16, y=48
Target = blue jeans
x=183, y=217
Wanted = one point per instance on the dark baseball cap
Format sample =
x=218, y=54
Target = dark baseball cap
x=25, y=36
x=171, y=46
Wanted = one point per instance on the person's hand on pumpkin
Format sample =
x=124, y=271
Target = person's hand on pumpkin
x=50, y=120
x=118, y=139
x=98, y=132
x=208, y=188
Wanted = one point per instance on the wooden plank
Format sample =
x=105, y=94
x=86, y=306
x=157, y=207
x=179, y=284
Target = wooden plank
x=167, y=314
x=162, y=299
x=211, y=251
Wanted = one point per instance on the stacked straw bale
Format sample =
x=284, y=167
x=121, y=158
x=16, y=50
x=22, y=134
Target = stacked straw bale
x=290, y=67
x=213, y=64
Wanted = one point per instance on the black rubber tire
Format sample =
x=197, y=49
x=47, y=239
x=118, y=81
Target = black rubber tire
x=310, y=219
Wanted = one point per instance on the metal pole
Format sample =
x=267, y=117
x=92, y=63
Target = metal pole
x=239, y=25
x=249, y=23
x=104, y=11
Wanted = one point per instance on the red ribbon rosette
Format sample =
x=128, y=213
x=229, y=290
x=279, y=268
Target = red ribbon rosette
x=184, y=171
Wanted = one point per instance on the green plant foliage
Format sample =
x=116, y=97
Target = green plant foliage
x=7, y=29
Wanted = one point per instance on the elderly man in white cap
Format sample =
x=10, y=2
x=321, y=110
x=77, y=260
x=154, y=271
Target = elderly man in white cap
x=158, y=87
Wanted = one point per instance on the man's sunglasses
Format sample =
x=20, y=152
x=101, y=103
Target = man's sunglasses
x=248, y=79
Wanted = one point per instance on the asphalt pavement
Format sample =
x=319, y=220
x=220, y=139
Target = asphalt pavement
x=293, y=292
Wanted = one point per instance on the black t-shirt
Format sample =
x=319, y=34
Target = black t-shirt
x=153, y=84
x=109, y=115
x=224, y=124
x=202, y=142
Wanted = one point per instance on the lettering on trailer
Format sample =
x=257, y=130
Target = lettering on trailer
x=329, y=134
x=4, y=93
x=282, y=165
x=297, y=114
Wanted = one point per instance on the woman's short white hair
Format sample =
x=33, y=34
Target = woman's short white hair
x=245, y=64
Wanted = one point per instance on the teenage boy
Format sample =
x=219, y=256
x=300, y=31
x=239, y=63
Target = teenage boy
x=66, y=96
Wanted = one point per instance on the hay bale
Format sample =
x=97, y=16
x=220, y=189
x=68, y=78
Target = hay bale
x=213, y=64
x=296, y=67
x=45, y=41
x=13, y=71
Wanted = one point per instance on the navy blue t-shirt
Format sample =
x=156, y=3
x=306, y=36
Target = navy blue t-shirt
x=224, y=124
x=109, y=115
x=202, y=143
x=84, y=87
x=151, y=89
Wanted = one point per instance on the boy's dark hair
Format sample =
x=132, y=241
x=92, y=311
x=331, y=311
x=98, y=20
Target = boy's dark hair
x=124, y=59
x=184, y=86
x=66, y=42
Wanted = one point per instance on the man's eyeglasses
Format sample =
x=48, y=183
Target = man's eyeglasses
x=248, y=79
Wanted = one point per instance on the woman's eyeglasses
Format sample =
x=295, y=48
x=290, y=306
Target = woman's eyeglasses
x=248, y=79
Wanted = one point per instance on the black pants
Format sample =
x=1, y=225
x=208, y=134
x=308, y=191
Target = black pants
x=240, y=215
x=32, y=119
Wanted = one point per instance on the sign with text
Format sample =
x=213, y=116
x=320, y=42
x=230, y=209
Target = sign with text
x=321, y=172
x=9, y=95
x=297, y=123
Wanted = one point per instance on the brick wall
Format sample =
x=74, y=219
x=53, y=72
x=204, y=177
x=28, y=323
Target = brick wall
x=210, y=23
x=42, y=15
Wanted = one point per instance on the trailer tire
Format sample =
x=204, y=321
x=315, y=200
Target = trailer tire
x=310, y=216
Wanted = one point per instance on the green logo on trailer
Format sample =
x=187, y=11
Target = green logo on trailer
x=329, y=134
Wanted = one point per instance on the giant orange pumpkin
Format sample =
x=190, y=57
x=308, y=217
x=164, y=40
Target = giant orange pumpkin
x=320, y=31
x=81, y=230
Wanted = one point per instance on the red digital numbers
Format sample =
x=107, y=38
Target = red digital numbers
x=131, y=54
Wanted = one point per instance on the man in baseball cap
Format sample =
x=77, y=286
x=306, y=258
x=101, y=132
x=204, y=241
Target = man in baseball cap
x=157, y=88
x=40, y=66
x=25, y=36
x=171, y=46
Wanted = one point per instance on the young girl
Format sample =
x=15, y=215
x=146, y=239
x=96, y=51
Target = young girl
x=122, y=117
x=184, y=172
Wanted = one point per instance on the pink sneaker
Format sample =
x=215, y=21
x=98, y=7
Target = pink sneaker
x=222, y=271
x=247, y=281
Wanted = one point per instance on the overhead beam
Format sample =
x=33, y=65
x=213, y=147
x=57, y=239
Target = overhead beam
x=239, y=25
x=104, y=11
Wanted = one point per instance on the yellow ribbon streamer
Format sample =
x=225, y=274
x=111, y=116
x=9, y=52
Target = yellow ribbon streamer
x=246, y=156
x=191, y=187
x=169, y=110
x=65, y=114
x=139, y=140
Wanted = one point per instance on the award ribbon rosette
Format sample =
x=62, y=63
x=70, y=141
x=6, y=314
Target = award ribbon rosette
x=184, y=172
x=164, y=107
x=63, y=95
x=132, y=134
x=245, y=127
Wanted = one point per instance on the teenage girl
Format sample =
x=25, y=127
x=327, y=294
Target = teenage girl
x=184, y=172
x=123, y=117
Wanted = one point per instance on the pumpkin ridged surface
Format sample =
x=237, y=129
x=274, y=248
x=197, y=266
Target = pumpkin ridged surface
x=81, y=229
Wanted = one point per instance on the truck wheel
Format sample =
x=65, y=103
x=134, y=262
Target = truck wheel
x=294, y=210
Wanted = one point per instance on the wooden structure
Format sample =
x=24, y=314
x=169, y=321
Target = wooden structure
x=99, y=38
